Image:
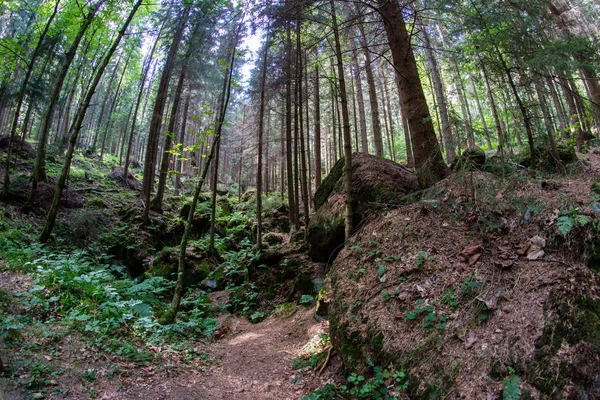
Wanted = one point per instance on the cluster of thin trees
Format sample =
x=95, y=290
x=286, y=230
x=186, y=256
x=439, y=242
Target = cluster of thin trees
x=414, y=81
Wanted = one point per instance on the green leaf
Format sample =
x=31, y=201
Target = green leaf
x=565, y=224
x=142, y=310
x=511, y=388
x=381, y=270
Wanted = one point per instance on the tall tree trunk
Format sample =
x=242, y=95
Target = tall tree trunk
x=76, y=127
x=557, y=105
x=360, y=100
x=388, y=103
x=493, y=108
x=21, y=96
x=375, y=121
x=303, y=167
x=317, y=128
x=426, y=150
x=261, y=116
x=168, y=144
x=570, y=100
x=439, y=95
x=157, y=114
x=141, y=84
x=346, y=125
x=288, y=129
x=113, y=106
x=179, y=164
x=481, y=115
x=549, y=128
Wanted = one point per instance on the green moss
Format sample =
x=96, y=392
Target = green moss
x=328, y=184
x=286, y=309
x=564, y=323
x=351, y=350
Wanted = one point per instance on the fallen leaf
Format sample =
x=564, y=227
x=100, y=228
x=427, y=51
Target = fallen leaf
x=469, y=251
x=504, y=264
x=491, y=299
x=471, y=340
x=523, y=250
x=499, y=196
x=532, y=256
x=474, y=259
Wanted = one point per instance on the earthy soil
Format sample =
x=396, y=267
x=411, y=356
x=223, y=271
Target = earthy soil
x=251, y=361
x=470, y=229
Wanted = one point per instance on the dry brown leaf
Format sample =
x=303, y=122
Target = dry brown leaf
x=471, y=340
x=474, y=259
x=469, y=251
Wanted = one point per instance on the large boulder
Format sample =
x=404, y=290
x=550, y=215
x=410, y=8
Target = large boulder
x=472, y=158
x=376, y=184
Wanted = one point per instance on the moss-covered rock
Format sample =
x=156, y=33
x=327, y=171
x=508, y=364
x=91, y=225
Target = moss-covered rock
x=471, y=158
x=566, y=155
x=166, y=265
x=376, y=184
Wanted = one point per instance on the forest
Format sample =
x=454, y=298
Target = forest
x=300, y=199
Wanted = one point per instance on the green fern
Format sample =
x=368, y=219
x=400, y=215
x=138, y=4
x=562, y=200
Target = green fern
x=511, y=388
x=570, y=219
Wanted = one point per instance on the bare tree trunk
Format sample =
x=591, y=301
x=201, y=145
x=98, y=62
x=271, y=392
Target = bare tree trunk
x=317, y=128
x=179, y=165
x=570, y=100
x=166, y=155
x=303, y=167
x=491, y=100
x=375, y=121
x=557, y=105
x=157, y=114
x=141, y=84
x=389, y=112
x=346, y=126
x=76, y=127
x=481, y=115
x=360, y=100
x=261, y=116
x=288, y=129
x=426, y=150
x=549, y=129
x=439, y=95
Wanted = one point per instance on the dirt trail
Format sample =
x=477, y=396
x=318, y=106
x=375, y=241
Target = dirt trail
x=250, y=362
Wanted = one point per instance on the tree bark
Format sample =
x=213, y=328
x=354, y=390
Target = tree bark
x=157, y=114
x=439, y=95
x=164, y=165
x=261, y=116
x=288, y=129
x=481, y=115
x=426, y=150
x=182, y=132
x=346, y=127
x=317, y=128
x=360, y=100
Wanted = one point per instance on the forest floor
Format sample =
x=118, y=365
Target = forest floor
x=250, y=361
